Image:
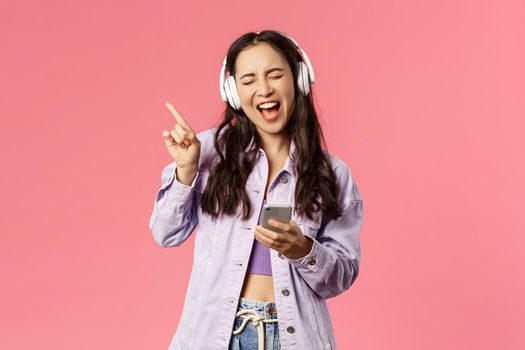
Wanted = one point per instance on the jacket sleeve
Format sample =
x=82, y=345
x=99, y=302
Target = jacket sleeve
x=332, y=265
x=173, y=218
x=175, y=208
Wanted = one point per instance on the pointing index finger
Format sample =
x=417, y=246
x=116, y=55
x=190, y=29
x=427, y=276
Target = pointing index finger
x=178, y=116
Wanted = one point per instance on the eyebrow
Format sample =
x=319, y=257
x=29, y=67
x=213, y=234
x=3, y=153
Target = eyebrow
x=267, y=72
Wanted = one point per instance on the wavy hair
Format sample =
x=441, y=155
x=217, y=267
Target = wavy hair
x=316, y=188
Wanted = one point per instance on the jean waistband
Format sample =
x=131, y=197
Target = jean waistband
x=268, y=309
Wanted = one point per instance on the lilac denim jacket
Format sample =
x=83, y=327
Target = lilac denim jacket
x=222, y=251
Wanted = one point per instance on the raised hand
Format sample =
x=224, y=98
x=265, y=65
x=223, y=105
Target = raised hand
x=182, y=143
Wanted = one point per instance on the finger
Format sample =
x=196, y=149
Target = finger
x=281, y=226
x=178, y=116
x=183, y=133
x=167, y=138
x=274, y=236
x=264, y=240
x=294, y=227
x=189, y=135
x=177, y=137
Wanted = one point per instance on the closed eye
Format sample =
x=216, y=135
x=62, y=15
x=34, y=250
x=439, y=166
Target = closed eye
x=275, y=77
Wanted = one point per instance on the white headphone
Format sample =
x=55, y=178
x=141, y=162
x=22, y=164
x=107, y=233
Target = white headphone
x=305, y=77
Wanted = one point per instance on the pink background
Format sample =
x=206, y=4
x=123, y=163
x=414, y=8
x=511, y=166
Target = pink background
x=425, y=100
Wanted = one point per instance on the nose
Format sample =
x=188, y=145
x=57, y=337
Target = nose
x=264, y=88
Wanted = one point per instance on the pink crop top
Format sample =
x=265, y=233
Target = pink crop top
x=260, y=256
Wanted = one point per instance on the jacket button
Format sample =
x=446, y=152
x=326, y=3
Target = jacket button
x=286, y=292
x=311, y=261
x=283, y=179
x=280, y=256
x=290, y=329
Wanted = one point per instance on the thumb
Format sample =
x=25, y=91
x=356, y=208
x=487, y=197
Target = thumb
x=168, y=139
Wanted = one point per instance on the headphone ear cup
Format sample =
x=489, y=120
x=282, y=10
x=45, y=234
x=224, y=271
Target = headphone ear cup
x=227, y=92
x=302, y=78
x=233, y=96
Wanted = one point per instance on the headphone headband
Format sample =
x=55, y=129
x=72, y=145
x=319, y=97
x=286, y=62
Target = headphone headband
x=304, y=56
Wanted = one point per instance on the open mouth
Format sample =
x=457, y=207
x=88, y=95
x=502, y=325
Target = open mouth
x=269, y=110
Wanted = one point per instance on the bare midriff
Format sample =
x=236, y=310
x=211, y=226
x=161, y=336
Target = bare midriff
x=258, y=287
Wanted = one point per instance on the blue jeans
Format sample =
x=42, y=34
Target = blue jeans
x=255, y=320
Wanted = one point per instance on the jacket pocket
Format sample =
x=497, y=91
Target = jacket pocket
x=204, y=242
x=308, y=226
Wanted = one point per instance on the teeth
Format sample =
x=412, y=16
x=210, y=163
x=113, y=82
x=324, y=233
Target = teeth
x=268, y=105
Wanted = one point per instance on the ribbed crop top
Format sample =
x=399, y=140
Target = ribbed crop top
x=260, y=256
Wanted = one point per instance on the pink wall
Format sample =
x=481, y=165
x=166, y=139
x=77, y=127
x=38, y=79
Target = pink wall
x=424, y=100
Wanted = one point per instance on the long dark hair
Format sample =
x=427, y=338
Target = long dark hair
x=316, y=188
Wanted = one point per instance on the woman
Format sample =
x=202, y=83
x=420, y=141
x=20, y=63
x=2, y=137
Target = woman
x=253, y=287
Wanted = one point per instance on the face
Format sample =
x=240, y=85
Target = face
x=263, y=75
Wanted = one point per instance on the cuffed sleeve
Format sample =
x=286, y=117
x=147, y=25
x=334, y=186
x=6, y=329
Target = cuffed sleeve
x=313, y=260
x=174, y=216
x=332, y=265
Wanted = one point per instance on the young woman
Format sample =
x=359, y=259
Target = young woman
x=252, y=287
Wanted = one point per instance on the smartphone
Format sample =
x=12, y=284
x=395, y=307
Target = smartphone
x=279, y=212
